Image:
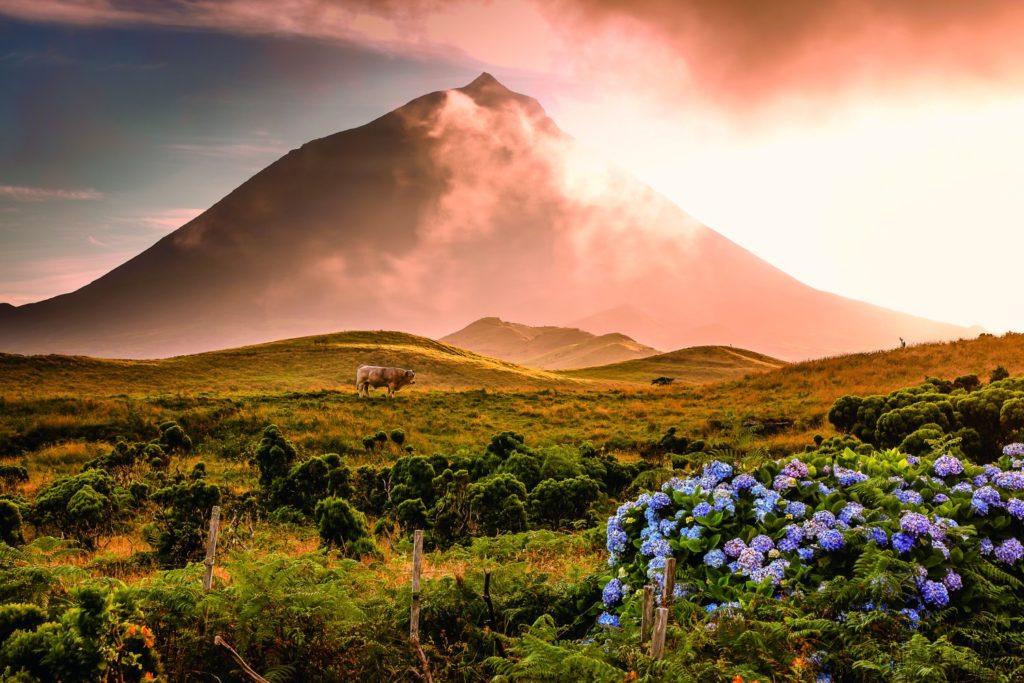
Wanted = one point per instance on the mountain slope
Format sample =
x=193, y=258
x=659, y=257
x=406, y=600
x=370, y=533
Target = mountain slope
x=694, y=365
x=460, y=204
x=548, y=347
x=305, y=364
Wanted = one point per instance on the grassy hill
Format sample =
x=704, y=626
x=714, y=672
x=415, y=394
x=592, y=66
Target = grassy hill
x=303, y=364
x=695, y=365
x=549, y=347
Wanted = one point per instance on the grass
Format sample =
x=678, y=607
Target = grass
x=694, y=365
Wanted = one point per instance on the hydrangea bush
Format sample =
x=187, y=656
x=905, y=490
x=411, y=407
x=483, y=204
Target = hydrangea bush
x=792, y=525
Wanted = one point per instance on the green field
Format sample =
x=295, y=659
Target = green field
x=297, y=608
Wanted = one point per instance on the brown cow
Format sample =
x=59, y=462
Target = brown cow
x=376, y=376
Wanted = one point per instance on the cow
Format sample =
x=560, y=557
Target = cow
x=376, y=376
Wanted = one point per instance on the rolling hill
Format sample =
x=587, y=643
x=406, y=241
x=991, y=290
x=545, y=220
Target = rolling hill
x=694, y=365
x=304, y=364
x=460, y=204
x=548, y=347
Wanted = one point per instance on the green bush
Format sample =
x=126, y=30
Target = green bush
x=555, y=503
x=10, y=523
x=11, y=476
x=273, y=457
x=496, y=504
x=344, y=527
x=183, y=520
x=84, y=506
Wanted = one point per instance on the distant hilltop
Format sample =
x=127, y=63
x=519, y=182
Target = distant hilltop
x=546, y=347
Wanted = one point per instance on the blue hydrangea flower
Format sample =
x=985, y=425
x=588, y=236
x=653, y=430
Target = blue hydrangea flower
x=983, y=498
x=667, y=527
x=762, y=543
x=986, y=547
x=847, y=477
x=1009, y=551
x=909, y=497
x=660, y=501
x=901, y=542
x=913, y=459
x=655, y=546
x=852, y=512
x=723, y=498
x=1013, y=480
x=980, y=480
x=824, y=518
x=782, y=482
x=940, y=498
x=947, y=466
x=609, y=620
x=962, y=487
x=714, y=558
x=734, y=547
x=831, y=540
x=612, y=593
x=935, y=593
x=702, y=509
x=718, y=470
x=878, y=536
x=915, y=524
x=1014, y=450
x=797, y=509
x=1016, y=508
x=805, y=554
x=691, y=532
x=743, y=482
x=788, y=545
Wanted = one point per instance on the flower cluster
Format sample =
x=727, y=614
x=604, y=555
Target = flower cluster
x=793, y=524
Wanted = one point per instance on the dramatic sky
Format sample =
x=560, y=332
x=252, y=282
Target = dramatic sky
x=871, y=148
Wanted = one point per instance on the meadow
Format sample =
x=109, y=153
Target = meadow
x=512, y=471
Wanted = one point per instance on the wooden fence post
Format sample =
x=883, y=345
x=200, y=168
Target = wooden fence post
x=658, y=639
x=648, y=614
x=670, y=581
x=414, y=610
x=211, y=548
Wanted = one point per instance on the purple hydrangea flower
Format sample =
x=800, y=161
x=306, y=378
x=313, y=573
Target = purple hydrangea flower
x=947, y=466
x=852, y=512
x=901, y=542
x=788, y=545
x=940, y=498
x=749, y=560
x=824, y=518
x=952, y=580
x=980, y=480
x=714, y=558
x=1015, y=507
x=782, y=482
x=797, y=509
x=734, y=547
x=831, y=540
x=1014, y=450
x=909, y=497
x=1012, y=480
x=935, y=593
x=915, y=524
x=743, y=482
x=796, y=469
x=1009, y=551
x=962, y=487
x=913, y=459
x=983, y=498
x=762, y=543
x=985, y=546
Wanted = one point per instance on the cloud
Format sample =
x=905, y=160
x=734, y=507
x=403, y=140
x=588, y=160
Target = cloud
x=163, y=220
x=21, y=193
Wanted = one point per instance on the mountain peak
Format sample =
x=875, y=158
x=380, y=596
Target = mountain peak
x=484, y=81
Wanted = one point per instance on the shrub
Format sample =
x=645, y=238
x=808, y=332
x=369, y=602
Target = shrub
x=967, y=382
x=84, y=506
x=343, y=526
x=412, y=477
x=183, y=520
x=11, y=476
x=10, y=523
x=496, y=504
x=556, y=503
x=412, y=514
x=398, y=436
x=999, y=373
x=524, y=467
x=559, y=463
x=173, y=438
x=274, y=457
x=309, y=481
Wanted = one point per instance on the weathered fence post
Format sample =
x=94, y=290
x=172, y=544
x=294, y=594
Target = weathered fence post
x=211, y=548
x=658, y=639
x=648, y=614
x=414, y=610
x=670, y=581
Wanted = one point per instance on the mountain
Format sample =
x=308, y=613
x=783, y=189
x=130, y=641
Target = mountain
x=305, y=364
x=460, y=204
x=550, y=348
x=694, y=365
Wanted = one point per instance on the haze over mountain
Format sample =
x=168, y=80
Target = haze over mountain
x=461, y=204
x=547, y=347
